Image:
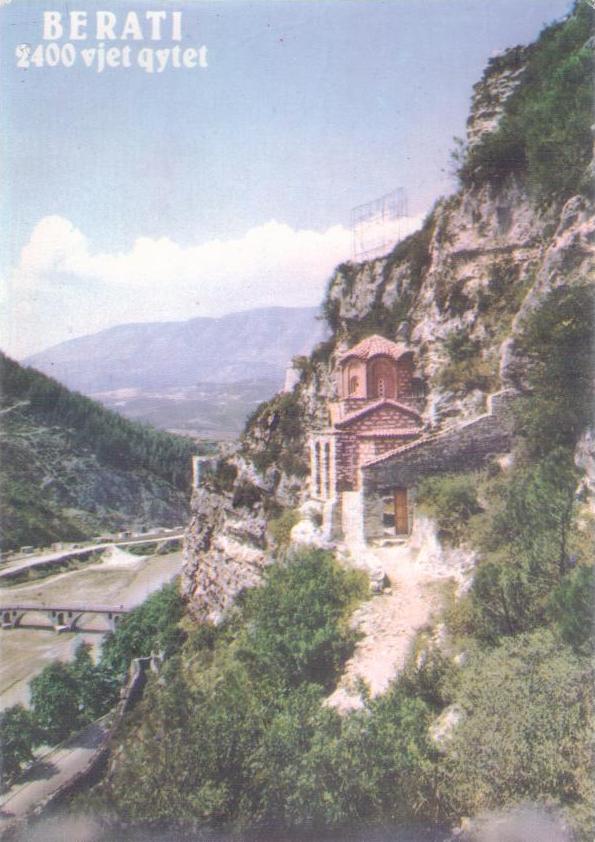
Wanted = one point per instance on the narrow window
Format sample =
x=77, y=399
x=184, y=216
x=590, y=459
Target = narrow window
x=317, y=470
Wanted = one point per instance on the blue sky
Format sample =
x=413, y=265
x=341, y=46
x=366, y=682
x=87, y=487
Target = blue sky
x=132, y=196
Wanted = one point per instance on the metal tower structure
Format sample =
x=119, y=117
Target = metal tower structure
x=376, y=227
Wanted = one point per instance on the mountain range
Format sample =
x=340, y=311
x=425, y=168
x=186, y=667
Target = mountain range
x=202, y=376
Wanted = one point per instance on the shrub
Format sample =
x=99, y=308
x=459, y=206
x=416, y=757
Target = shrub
x=19, y=735
x=465, y=369
x=557, y=342
x=280, y=527
x=296, y=623
x=571, y=606
x=451, y=500
x=54, y=699
x=153, y=626
x=524, y=538
x=525, y=734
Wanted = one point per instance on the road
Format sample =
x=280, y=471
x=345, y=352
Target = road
x=11, y=567
x=51, y=771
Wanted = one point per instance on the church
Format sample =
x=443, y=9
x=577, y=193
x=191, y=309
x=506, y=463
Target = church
x=365, y=464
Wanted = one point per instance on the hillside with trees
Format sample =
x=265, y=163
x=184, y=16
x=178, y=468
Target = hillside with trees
x=72, y=469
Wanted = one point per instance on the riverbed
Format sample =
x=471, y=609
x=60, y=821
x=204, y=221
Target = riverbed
x=119, y=578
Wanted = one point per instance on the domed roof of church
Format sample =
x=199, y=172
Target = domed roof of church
x=374, y=346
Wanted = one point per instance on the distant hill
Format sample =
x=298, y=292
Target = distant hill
x=71, y=469
x=202, y=376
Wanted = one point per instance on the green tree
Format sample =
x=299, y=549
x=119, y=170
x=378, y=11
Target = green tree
x=557, y=342
x=571, y=608
x=97, y=687
x=55, y=702
x=19, y=735
x=153, y=626
x=525, y=546
x=450, y=499
x=296, y=627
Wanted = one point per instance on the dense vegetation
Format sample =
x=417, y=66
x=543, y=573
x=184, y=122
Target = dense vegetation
x=236, y=731
x=545, y=134
x=67, y=696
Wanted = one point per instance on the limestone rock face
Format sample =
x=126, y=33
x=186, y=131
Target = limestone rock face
x=224, y=552
x=500, y=79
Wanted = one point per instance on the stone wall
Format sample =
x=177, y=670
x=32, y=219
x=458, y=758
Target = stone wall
x=361, y=440
x=466, y=446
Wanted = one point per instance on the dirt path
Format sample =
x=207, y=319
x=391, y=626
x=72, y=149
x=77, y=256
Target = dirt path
x=389, y=622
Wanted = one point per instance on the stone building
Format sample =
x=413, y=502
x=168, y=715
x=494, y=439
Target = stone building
x=366, y=463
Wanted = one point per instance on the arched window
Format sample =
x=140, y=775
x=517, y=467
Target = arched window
x=327, y=473
x=353, y=384
x=382, y=378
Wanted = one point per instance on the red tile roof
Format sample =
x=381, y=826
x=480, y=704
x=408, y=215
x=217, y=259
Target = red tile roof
x=373, y=346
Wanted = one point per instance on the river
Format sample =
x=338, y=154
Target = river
x=119, y=578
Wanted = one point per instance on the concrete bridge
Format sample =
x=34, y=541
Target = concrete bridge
x=62, y=618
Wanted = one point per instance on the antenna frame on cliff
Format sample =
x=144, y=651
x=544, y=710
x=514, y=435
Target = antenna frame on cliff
x=375, y=225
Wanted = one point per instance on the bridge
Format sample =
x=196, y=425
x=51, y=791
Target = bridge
x=61, y=617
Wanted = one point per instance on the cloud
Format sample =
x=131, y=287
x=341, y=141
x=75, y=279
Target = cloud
x=63, y=287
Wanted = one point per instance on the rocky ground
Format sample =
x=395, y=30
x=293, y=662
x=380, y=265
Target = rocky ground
x=388, y=622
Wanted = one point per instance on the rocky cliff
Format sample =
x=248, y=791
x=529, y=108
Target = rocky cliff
x=458, y=289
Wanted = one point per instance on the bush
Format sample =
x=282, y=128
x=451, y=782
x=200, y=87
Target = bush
x=19, y=735
x=55, y=703
x=296, y=629
x=525, y=734
x=451, y=500
x=153, y=626
x=557, y=342
x=280, y=528
x=571, y=607
x=466, y=369
x=524, y=539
